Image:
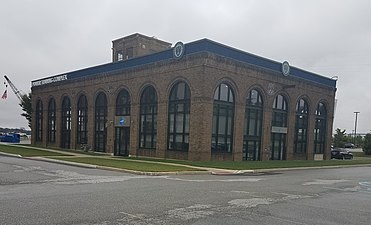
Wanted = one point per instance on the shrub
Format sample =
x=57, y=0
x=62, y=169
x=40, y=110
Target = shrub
x=367, y=144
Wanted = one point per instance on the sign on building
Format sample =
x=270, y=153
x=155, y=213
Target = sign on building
x=280, y=130
x=122, y=121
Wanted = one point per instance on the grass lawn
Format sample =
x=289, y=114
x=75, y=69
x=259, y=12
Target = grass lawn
x=361, y=154
x=279, y=164
x=28, y=152
x=144, y=166
x=251, y=165
x=73, y=151
x=150, y=165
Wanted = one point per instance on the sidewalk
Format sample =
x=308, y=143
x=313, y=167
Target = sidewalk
x=202, y=170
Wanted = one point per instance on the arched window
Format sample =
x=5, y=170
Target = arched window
x=253, y=126
x=122, y=129
x=66, y=123
x=301, y=127
x=82, y=120
x=100, y=122
x=39, y=121
x=51, y=120
x=148, y=118
x=320, y=129
x=178, y=118
x=123, y=103
x=279, y=128
x=223, y=116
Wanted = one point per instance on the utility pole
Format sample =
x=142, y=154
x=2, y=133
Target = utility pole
x=355, y=127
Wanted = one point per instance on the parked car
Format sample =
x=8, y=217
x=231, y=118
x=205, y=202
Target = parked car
x=340, y=153
x=349, y=145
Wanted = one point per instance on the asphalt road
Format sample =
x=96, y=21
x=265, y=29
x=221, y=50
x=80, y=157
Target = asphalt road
x=34, y=192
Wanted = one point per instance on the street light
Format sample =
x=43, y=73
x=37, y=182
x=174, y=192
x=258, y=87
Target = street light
x=355, y=127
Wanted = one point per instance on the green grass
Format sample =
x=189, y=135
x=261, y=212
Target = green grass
x=153, y=165
x=28, y=152
x=144, y=166
x=278, y=164
x=361, y=154
x=73, y=151
x=251, y=165
x=84, y=152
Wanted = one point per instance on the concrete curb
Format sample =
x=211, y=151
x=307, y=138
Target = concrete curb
x=10, y=155
x=154, y=173
x=229, y=172
x=309, y=168
x=91, y=166
x=84, y=165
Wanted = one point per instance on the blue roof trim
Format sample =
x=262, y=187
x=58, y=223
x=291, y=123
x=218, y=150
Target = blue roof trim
x=203, y=45
x=236, y=54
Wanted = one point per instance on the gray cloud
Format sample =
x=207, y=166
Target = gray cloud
x=40, y=38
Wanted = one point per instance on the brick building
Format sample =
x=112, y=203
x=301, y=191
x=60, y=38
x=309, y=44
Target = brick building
x=196, y=101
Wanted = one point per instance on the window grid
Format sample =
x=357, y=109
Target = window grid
x=301, y=127
x=82, y=120
x=123, y=104
x=66, y=123
x=178, y=118
x=51, y=121
x=223, y=117
x=122, y=135
x=100, y=122
x=148, y=119
x=320, y=129
x=253, y=126
x=279, y=119
x=39, y=121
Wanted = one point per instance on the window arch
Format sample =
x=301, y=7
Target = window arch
x=223, y=117
x=178, y=117
x=100, y=122
x=82, y=120
x=51, y=120
x=301, y=126
x=320, y=129
x=39, y=121
x=148, y=118
x=253, y=125
x=66, y=123
x=279, y=128
x=123, y=103
x=122, y=129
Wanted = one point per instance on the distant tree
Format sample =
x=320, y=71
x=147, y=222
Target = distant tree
x=359, y=140
x=26, y=105
x=340, y=138
x=367, y=144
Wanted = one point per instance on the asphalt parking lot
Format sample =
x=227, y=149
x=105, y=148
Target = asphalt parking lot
x=35, y=192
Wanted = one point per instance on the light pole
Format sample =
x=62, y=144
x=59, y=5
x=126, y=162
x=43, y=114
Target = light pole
x=355, y=127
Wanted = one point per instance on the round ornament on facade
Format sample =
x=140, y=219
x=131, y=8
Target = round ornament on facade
x=178, y=50
x=285, y=68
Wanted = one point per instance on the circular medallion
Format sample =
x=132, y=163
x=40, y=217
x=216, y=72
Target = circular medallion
x=285, y=68
x=178, y=50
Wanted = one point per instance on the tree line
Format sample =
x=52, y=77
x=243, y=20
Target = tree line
x=340, y=139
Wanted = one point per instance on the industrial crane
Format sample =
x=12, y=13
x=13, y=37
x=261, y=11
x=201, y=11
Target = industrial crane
x=14, y=88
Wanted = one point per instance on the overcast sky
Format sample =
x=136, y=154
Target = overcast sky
x=40, y=38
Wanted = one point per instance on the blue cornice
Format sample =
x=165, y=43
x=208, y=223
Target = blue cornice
x=203, y=45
